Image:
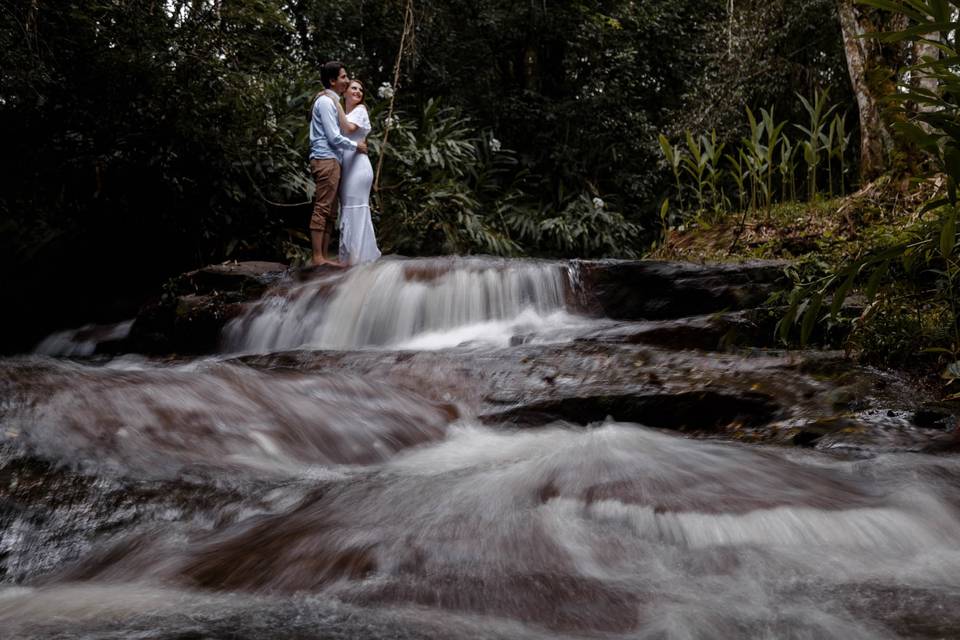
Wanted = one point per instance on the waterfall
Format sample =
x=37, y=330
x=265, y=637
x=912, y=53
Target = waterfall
x=402, y=303
x=83, y=341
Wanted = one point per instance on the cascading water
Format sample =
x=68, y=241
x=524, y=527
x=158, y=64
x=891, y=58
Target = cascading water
x=348, y=470
x=413, y=304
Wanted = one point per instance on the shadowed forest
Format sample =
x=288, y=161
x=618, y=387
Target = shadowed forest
x=145, y=138
x=664, y=341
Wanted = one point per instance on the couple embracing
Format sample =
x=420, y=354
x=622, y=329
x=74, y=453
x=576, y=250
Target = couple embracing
x=341, y=169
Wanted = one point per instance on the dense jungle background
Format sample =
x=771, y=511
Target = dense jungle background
x=146, y=137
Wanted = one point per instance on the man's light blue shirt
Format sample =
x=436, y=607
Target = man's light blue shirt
x=326, y=139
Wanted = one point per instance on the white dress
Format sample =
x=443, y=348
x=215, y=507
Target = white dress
x=358, y=244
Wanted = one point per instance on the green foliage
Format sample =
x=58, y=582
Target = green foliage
x=674, y=159
x=585, y=226
x=910, y=285
x=750, y=171
x=695, y=164
x=448, y=189
x=170, y=134
x=816, y=141
x=440, y=190
x=930, y=117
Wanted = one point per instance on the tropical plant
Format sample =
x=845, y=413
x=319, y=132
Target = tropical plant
x=695, y=164
x=713, y=152
x=839, y=148
x=817, y=112
x=586, y=226
x=788, y=170
x=674, y=158
x=919, y=273
x=754, y=157
x=435, y=194
x=773, y=130
x=739, y=175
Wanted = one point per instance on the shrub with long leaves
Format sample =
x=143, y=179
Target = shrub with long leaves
x=755, y=164
x=818, y=113
x=920, y=273
x=435, y=194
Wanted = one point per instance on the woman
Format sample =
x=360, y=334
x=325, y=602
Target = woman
x=358, y=244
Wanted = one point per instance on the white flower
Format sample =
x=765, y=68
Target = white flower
x=494, y=145
x=598, y=203
x=390, y=121
x=385, y=91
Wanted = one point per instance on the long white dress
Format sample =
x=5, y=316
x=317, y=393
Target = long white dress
x=358, y=243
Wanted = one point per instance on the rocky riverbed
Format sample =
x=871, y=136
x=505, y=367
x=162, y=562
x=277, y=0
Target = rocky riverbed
x=470, y=448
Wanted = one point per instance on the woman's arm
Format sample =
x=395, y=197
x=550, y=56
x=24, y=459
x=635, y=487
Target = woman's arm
x=345, y=125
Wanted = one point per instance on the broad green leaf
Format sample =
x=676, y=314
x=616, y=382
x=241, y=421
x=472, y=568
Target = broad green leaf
x=841, y=293
x=786, y=322
x=874, y=282
x=810, y=317
x=948, y=233
x=909, y=259
x=667, y=149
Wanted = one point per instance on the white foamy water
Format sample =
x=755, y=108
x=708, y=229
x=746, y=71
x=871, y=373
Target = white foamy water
x=617, y=530
x=158, y=421
x=528, y=327
x=83, y=341
x=409, y=304
x=352, y=505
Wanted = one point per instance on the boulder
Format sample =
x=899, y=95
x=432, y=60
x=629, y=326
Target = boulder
x=190, y=315
x=654, y=290
x=246, y=279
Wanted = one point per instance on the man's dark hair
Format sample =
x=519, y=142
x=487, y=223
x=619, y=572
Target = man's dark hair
x=329, y=72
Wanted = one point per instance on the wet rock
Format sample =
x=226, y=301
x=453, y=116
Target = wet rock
x=51, y=515
x=749, y=395
x=188, y=324
x=160, y=423
x=189, y=317
x=718, y=331
x=811, y=434
x=311, y=272
x=935, y=417
x=248, y=279
x=703, y=411
x=553, y=601
x=634, y=290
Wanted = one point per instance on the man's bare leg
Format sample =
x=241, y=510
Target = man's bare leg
x=319, y=248
x=326, y=248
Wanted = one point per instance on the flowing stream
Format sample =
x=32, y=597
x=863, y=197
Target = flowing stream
x=335, y=472
x=409, y=305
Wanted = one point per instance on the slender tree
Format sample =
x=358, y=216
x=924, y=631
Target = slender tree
x=873, y=70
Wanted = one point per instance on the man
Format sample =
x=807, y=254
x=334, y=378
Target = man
x=327, y=143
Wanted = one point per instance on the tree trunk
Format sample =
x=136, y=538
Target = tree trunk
x=922, y=51
x=872, y=77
